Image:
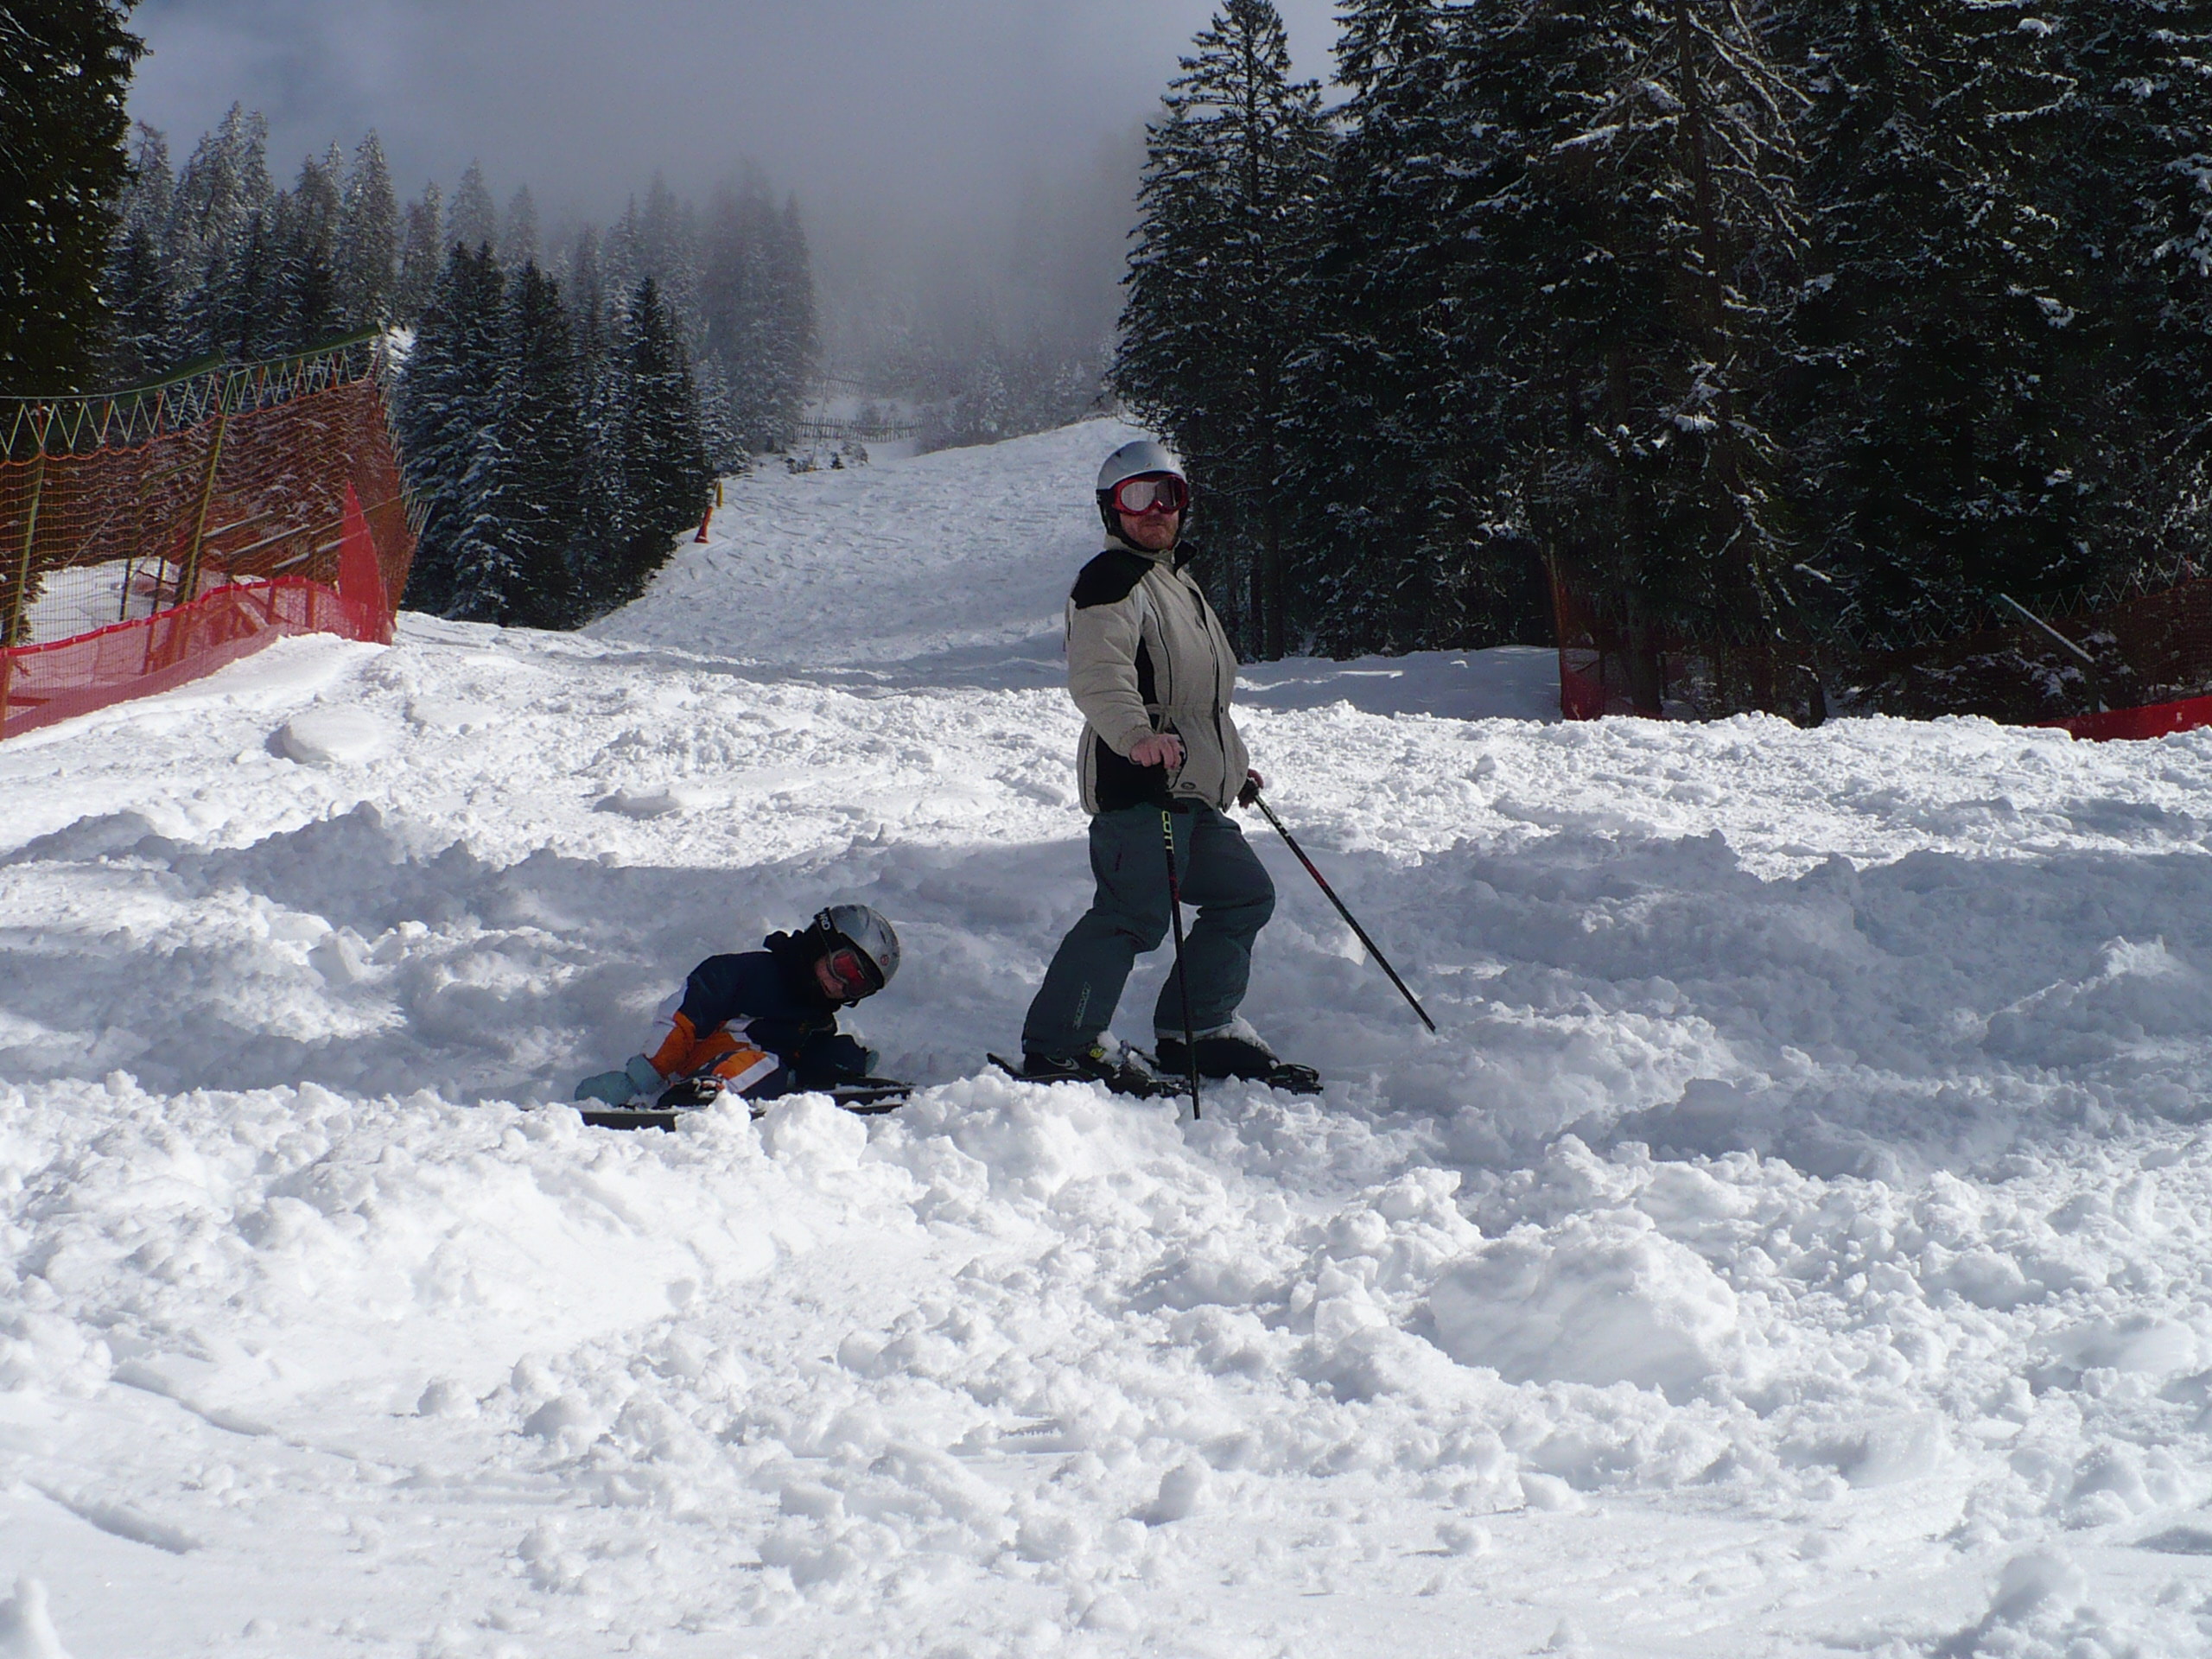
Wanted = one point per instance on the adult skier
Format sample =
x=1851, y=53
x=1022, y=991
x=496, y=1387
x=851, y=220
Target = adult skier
x=763, y=1023
x=1153, y=673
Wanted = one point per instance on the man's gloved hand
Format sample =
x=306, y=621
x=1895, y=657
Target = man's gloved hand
x=1253, y=785
x=636, y=1077
x=1160, y=749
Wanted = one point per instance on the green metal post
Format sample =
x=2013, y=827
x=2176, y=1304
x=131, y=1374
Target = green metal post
x=187, y=584
x=16, y=599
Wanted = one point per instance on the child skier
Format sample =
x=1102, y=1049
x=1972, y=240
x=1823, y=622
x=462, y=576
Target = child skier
x=763, y=1023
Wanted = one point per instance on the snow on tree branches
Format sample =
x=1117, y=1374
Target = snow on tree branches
x=1813, y=324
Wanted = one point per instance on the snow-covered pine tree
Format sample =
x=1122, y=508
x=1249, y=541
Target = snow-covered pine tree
x=989, y=402
x=522, y=495
x=666, y=479
x=65, y=70
x=1395, y=452
x=1944, y=413
x=2131, y=179
x=485, y=563
x=145, y=340
x=596, y=563
x=726, y=451
x=304, y=303
x=519, y=230
x=622, y=255
x=795, y=341
x=1228, y=213
x=756, y=298
x=1073, y=389
x=733, y=294
x=447, y=402
x=586, y=284
x=223, y=198
x=422, y=258
x=1677, y=169
x=244, y=303
x=668, y=251
x=544, y=419
x=367, y=253
x=472, y=222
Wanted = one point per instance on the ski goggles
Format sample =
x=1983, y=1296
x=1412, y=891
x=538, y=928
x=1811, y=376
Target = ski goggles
x=853, y=971
x=1159, y=493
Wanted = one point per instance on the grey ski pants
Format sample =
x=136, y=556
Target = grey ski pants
x=1216, y=871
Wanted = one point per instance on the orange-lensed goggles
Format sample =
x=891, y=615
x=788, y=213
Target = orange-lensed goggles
x=1159, y=493
x=853, y=971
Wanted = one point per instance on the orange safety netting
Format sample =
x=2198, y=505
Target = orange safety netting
x=1608, y=669
x=2139, y=666
x=151, y=537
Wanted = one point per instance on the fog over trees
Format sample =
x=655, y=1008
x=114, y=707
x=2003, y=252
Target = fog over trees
x=693, y=324
x=966, y=179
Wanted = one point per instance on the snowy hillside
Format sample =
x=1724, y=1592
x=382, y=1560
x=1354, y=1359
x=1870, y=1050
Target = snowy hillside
x=1797, y=1240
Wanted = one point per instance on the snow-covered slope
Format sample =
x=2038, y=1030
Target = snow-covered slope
x=1795, y=1240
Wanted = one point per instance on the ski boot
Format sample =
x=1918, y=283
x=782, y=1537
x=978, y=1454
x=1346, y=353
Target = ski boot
x=1108, y=1061
x=1235, y=1051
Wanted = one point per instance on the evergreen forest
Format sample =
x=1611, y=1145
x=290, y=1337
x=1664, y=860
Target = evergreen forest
x=1807, y=329
x=1807, y=326
x=64, y=78
x=562, y=412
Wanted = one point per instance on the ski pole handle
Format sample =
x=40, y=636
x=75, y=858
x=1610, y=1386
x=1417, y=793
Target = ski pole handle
x=1351, y=921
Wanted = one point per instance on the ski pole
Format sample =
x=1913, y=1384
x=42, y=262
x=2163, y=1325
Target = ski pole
x=1182, y=976
x=1351, y=921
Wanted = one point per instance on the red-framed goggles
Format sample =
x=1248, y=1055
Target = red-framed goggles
x=853, y=970
x=1153, y=493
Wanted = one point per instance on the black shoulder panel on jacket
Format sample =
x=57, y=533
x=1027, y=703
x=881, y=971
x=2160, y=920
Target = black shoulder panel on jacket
x=1108, y=579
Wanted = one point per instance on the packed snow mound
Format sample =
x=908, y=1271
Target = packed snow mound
x=333, y=737
x=1792, y=1241
x=1592, y=1299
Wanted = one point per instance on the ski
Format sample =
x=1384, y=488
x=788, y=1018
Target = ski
x=632, y=1117
x=864, y=1097
x=870, y=1096
x=1290, y=1078
x=1155, y=1088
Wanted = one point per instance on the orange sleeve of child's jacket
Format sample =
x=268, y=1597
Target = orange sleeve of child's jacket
x=672, y=1058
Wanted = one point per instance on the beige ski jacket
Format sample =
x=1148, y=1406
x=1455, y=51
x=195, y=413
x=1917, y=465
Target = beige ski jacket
x=1145, y=653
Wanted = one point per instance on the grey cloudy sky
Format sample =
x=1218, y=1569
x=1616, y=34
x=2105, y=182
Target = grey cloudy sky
x=928, y=109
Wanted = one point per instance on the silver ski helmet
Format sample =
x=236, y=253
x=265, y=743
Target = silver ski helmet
x=866, y=931
x=1134, y=459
